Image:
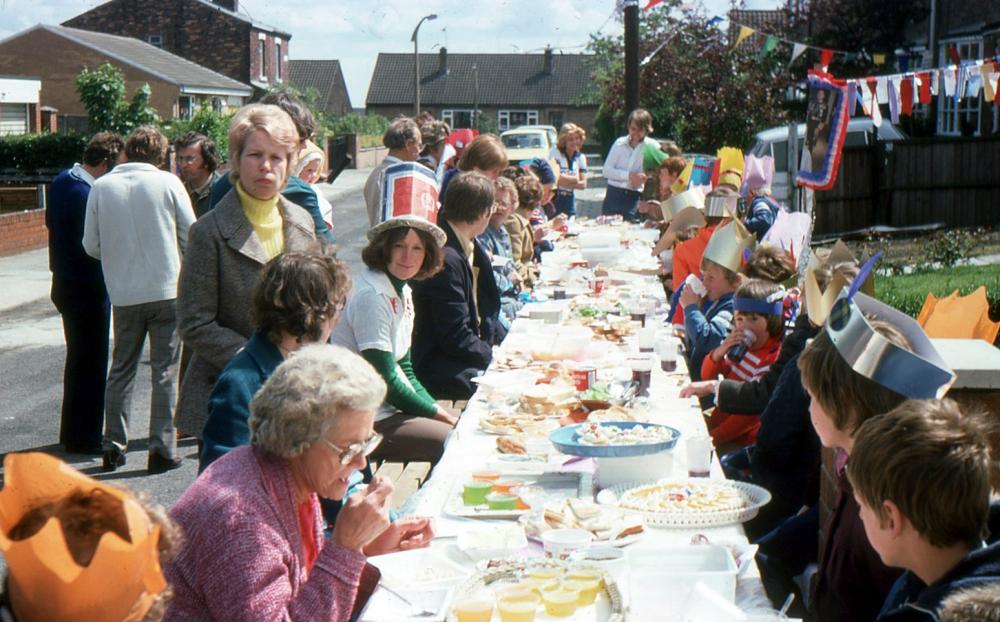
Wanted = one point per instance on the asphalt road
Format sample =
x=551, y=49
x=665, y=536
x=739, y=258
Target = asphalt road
x=32, y=354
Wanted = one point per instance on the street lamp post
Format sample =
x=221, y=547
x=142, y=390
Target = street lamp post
x=416, y=63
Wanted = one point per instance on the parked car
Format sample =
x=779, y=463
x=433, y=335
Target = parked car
x=526, y=143
x=774, y=142
x=549, y=129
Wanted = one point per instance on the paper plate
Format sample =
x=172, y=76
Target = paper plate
x=566, y=439
x=754, y=496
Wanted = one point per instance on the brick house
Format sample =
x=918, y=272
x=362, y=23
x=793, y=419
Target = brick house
x=513, y=89
x=213, y=34
x=19, y=109
x=56, y=55
x=327, y=78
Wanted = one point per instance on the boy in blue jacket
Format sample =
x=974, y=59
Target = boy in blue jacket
x=921, y=476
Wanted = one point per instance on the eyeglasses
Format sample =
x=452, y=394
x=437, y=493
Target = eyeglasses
x=364, y=448
x=186, y=159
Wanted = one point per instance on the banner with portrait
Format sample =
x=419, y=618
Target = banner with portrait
x=826, y=129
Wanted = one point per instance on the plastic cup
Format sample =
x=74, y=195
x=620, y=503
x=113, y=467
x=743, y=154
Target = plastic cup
x=559, y=543
x=642, y=372
x=561, y=602
x=607, y=558
x=519, y=607
x=501, y=501
x=544, y=574
x=486, y=476
x=474, y=493
x=587, y=584
x=473, y=610
x=506, y=486
x=666, y=349
x=646, y=339
x=699, y=455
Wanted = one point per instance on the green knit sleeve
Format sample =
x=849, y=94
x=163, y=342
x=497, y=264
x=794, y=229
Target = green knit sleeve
x=407, y=366
x=399, y=395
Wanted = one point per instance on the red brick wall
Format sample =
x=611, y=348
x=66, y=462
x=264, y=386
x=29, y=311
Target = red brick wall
x=189, y=29
x=22, y=231
x=269, y=57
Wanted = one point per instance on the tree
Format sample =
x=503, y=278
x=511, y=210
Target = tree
x=205, y=121
x=102, y=92
x=702, y=93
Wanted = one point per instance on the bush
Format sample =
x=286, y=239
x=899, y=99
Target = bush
x=369, y=125
x=205, y=121
x=31, y=154
x=907, y=292
x=102, y=92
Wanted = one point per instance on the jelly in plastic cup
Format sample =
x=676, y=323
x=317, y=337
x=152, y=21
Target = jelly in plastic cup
x=474, y=493
x=561, y=602
x=486, y=476
x=699, y=455
x=587, y=585
x=473, y=610
x=544, y=574
x=518, y=608
x=506, y=486
x=501, y=501
x=559, y=543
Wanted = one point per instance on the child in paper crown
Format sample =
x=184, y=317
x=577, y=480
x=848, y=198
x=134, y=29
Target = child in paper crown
x=846, y=390
x=763, y=209
x=758, y=311
x=921, y=475
x=707, y=321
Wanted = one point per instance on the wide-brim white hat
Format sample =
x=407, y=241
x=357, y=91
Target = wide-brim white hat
x=410, y=221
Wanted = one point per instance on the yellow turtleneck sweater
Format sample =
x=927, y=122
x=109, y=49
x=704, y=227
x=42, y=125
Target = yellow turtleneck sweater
x=266, y=221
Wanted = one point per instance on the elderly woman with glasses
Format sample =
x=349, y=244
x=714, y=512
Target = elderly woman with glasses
x=254, y=547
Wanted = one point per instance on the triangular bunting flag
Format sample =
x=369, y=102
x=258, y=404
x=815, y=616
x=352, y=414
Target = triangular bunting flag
x=959, y=82
x=797, y=50
x=953, y=55
x=651, y=4
x=906, y=95
x=745, y=31
x=903, y=61
x=973, y=84
x=890, y=86
x=986, y=71
x=769, y=44
x=852, y=97
x=935, y=82
x=878, y=59
x=881, y=90
x=949, y=82
x=925, y=87
x=825, y=57
x=875, y=112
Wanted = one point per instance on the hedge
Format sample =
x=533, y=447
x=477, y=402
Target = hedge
x=37, y=153
x=907, y=292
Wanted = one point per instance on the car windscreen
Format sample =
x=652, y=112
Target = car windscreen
x=522, y=141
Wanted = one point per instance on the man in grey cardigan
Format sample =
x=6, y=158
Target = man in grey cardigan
x=136, y=225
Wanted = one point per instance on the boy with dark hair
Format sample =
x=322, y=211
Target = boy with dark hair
x=746, y=354
x=921, y=476
x=847, y=387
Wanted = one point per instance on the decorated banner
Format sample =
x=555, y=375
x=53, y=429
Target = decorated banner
x=826, y=129
x=410, y=190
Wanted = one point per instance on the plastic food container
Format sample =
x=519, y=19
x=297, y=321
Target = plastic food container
x=662, y=577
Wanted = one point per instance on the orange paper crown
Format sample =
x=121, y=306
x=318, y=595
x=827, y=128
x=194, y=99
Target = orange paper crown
x=46, y=583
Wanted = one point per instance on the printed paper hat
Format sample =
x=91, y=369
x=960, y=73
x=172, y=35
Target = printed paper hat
x=919, y=373
x=819, y=303
x=728, y=245
x=730, y=167
x=123, y=578
x=409, y=199
x=721, y=203
x=758, y=172
x=686, y=208
x=681, y=184
x=652, y=156
x=790, y=232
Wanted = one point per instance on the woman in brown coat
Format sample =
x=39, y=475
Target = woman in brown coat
x=227, y=249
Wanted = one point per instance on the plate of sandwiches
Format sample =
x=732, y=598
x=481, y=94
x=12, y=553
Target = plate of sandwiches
x=609, y=525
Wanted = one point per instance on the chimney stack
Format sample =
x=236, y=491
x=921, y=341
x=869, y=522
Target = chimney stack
x=443, y=60
x=547, y=68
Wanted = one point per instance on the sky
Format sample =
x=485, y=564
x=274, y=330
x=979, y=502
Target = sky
x=355, y=31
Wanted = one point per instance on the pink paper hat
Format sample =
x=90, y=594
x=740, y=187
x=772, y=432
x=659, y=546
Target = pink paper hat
x=758, y=172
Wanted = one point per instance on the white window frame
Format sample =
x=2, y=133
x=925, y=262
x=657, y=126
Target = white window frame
x=10, y=126
x=951, y=111
x=503, y=118
x=261, y=54
x=277, y=60
x=448, y=116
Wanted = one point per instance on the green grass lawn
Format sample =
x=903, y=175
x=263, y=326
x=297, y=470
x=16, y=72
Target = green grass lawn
x=907, y=292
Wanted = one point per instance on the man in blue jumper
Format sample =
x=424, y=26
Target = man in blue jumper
x=79, y=294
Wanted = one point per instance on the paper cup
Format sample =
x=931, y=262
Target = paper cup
x=699, y=455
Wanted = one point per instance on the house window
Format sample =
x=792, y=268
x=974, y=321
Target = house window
x=507, y=119
x=217, y=104
x=13, y=119
x=556, y=118
x=185, y=107
x=261, y=73
x=457, y=119
x=155, y=40
x=962, y=116
x=277, y=61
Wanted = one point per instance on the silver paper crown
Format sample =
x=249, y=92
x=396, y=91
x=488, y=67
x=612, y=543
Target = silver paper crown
x=720, y=207
x=919, y=373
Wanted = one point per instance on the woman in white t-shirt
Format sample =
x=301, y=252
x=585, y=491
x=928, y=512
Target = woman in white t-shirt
x=572, y=167
x=377, y=323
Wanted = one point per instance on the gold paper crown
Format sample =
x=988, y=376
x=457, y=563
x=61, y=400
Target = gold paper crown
x=728, y=243
x=730, y=166
x=681, y=184
x=819, y=303
x=686, y=208
x=46, y=583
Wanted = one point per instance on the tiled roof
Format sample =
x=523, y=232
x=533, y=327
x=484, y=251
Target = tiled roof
x=245, y=18
x=504, y=79
x=151, y=59
x=327, y=78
